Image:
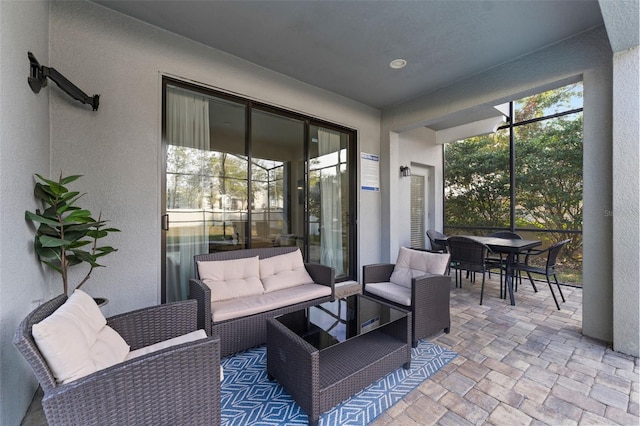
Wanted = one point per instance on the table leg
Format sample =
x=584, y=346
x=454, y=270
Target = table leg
x=509, y=277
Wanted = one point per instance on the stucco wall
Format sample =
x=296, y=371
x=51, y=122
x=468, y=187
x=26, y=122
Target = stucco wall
x=24, y=149
x=587, y=55
x=118, y=147
x=626, y=191
x=417, y=149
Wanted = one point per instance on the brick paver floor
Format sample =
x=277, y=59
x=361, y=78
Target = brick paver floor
x=527, y=364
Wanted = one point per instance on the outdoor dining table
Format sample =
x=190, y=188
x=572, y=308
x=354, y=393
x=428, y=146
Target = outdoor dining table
x=510, y=247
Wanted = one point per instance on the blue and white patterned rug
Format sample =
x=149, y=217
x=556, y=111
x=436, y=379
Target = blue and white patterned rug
x=249, y=398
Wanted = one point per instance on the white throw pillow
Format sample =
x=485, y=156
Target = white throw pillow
x=64, y=346
x=75, y=340
x=109, y=349
x=283, y=271
x=230, y=279
x=415, y=263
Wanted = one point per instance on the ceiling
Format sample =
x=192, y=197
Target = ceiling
x=345, y=47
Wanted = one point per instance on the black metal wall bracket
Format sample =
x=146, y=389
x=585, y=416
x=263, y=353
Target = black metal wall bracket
x=38, y=79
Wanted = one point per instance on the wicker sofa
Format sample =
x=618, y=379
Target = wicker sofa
x=416, y=283
x=176, y=385
x=240, y=322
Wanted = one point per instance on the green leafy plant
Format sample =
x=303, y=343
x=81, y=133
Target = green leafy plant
x=67, y=235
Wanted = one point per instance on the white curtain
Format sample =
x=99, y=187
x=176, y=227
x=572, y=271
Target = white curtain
x=188, y=126
x=331, y=253
x=187, y=119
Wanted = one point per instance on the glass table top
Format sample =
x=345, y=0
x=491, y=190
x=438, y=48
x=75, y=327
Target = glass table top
x=334, y=322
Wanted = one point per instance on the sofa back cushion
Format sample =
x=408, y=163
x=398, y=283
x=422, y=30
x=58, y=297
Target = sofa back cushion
x=230, y=279
x=415, y=263
x=283, y=271
x=75, y=340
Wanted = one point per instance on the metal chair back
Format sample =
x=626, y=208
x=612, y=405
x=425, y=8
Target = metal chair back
x=434, y=235
x=553, y=252
x=468, y=254
x=507, y=235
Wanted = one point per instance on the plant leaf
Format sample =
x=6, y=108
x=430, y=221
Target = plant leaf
x=103, y=251
x=40, y=219
x=111, y=230
x=53, y=266
x=69, y=179
x=47, y=241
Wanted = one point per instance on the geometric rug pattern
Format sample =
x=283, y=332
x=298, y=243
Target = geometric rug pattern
x=249, y=398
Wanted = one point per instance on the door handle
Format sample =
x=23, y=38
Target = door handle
x=165, y=222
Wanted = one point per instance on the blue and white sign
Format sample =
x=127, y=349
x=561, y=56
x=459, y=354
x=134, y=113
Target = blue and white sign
x=370, y=166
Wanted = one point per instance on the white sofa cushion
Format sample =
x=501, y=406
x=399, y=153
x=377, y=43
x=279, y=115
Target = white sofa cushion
x=231, y=279
x=390, y=291
x=415, y=263
x=283, y=271
x=75, y=340
x=236, y=308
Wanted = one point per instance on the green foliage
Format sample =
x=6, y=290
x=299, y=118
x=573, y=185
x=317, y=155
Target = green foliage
x=67, y=235
x=548, y=161
x=477, y=182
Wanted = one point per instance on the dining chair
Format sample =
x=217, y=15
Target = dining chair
x=434, y=238
x=498, y=261
x=468, y=255
x=548, y=270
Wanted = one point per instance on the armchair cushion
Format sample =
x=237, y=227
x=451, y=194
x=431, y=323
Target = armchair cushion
x=415, y=263
x=283, y=271
x=231, y=279
x=390, y=291
x=75, y=340
x=185, y=338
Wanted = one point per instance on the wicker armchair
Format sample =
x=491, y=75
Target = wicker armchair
x=176, y=385
x=429, y=304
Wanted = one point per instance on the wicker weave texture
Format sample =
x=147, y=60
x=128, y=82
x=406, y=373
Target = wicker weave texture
x=430, y=299
x=320, y=379
x=177, y=385
x=242, y=333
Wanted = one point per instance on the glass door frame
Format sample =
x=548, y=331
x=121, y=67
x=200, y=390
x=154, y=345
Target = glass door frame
x=250, y=105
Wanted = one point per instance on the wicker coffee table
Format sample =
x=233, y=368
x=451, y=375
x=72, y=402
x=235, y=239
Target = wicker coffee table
x=324, y=354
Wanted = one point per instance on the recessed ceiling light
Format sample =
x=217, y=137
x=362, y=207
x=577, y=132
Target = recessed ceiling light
x=396, y=64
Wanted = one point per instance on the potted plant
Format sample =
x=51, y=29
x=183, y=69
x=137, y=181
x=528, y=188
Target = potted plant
x=67, y=235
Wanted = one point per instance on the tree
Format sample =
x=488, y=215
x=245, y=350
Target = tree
x=477, y=182
x=548, y=156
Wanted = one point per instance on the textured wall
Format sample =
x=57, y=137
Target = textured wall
x=118, y=147
x=626, y=222
x=417, y=149
x=24, y=150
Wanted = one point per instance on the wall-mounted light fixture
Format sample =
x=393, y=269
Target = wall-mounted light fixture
x=405, y=171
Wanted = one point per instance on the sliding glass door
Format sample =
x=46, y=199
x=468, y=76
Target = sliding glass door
x=277, y=164
x=245, y=175
x=206, y=175
x=329, y=209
